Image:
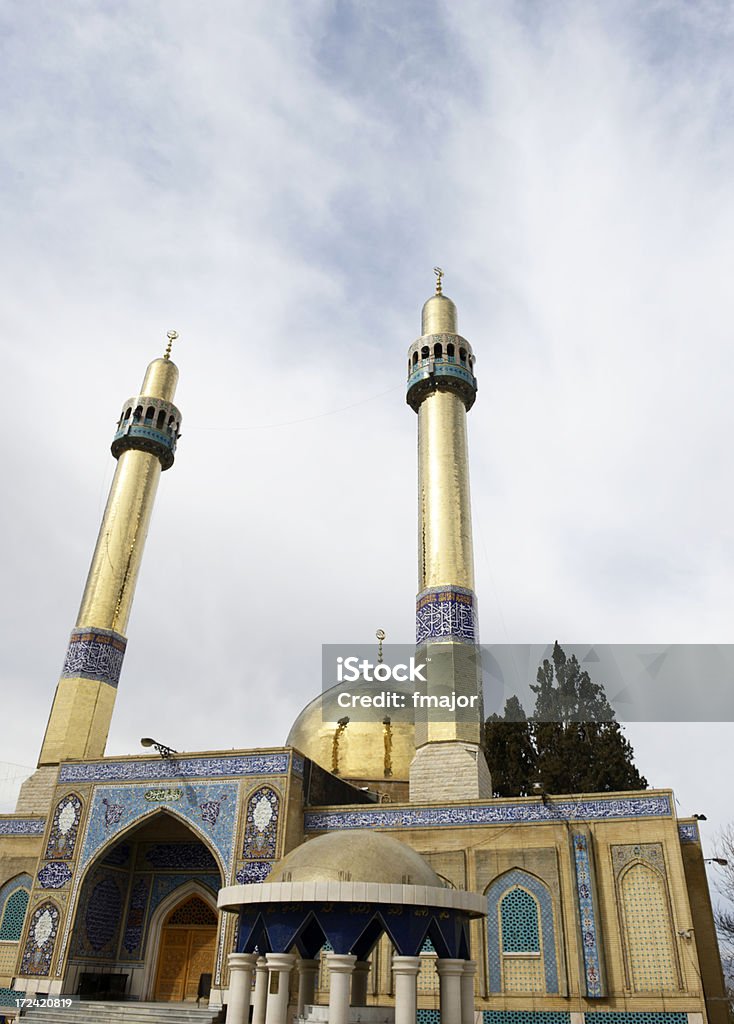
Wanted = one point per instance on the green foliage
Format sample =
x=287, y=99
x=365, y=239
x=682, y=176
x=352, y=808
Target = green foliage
x=572, y=744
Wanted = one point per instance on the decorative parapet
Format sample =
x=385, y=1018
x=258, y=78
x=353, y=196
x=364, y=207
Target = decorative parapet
x=12, y=826
x=495, y=813
x=173, y=768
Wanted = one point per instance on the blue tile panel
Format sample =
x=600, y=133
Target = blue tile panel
x=652, y=1017
x=132, y=938
x=254, y=871
x=39, y=948
x=176, y=768
x=95, y=654
x=446, y=613
x=64, y=828
x=495, y=894
x=525, y=1017
x=175, y=857
x=22, y=826
x=488, y=814
x=99, y=917
x=54, y=875
x=261, y=825
x=560, y=1017
x=9, y=996
x=588, y=918
x=209, y=808
x=688, y=832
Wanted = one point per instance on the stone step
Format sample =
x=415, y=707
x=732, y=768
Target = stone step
x=98, y=1012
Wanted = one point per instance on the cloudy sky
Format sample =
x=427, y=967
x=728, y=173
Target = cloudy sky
x=275, y=181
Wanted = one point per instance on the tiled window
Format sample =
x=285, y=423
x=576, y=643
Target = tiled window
x=520, y=935
x=519, y=921
x=11, y=925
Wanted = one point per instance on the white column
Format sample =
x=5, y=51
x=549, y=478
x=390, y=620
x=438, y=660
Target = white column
x=260, y=998
x=449, y=979
x=406, y=969
x=307, y=971
x=359, y=983
x=467, y=992
x=340, y=967
x=241, y=966
x=279, y=969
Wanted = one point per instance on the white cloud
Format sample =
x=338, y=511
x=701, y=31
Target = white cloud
x=277, y=184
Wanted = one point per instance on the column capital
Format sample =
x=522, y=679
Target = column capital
x=450, y=967
x=409, y=965
x=341, y=963
x=242, y=961
x=470, y=967
x=280, y=961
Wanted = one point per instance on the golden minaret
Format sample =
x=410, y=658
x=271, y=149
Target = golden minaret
x=144, y=445
x=449, y=761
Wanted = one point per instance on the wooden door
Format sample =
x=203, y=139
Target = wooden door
x=186, y=954
x=187, y=949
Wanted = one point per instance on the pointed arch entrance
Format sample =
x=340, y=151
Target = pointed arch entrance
x=128, y=893
x=187, y=949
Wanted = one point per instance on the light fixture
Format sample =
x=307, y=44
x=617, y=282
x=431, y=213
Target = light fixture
x=716, y=860
x=163, y=750
x=700, y=817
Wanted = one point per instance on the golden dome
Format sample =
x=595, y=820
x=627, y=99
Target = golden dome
x=355, y=855
x=368, y=751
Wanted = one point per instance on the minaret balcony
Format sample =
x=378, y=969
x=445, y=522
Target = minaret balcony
x=432, y=374
x=148, y=425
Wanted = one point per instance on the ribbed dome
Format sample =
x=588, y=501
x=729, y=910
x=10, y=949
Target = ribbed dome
x=359, y=750
x=355, y=855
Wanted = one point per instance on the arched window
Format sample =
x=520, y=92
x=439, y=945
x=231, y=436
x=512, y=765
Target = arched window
x=438, y=350
x=415, y=357
x=138, y=414
x=13, y=905
x=519, y=922
x=161, y=419
x=425, y=352
x=128, y=413
x=650, y=947
x=521, y=941
x=451, y=351
x=150, y=413
x=462, y=355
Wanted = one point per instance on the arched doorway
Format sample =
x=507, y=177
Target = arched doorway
x=187, y=950
x=129, y=892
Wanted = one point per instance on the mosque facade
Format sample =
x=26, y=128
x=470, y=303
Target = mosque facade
x=363, y=871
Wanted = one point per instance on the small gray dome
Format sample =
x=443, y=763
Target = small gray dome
x=355, y=855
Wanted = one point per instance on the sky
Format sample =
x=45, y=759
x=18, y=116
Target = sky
x=276, y=182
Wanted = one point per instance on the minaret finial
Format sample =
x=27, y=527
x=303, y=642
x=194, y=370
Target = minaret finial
x=380, y=634
x=439, y=274
x=171, y=335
